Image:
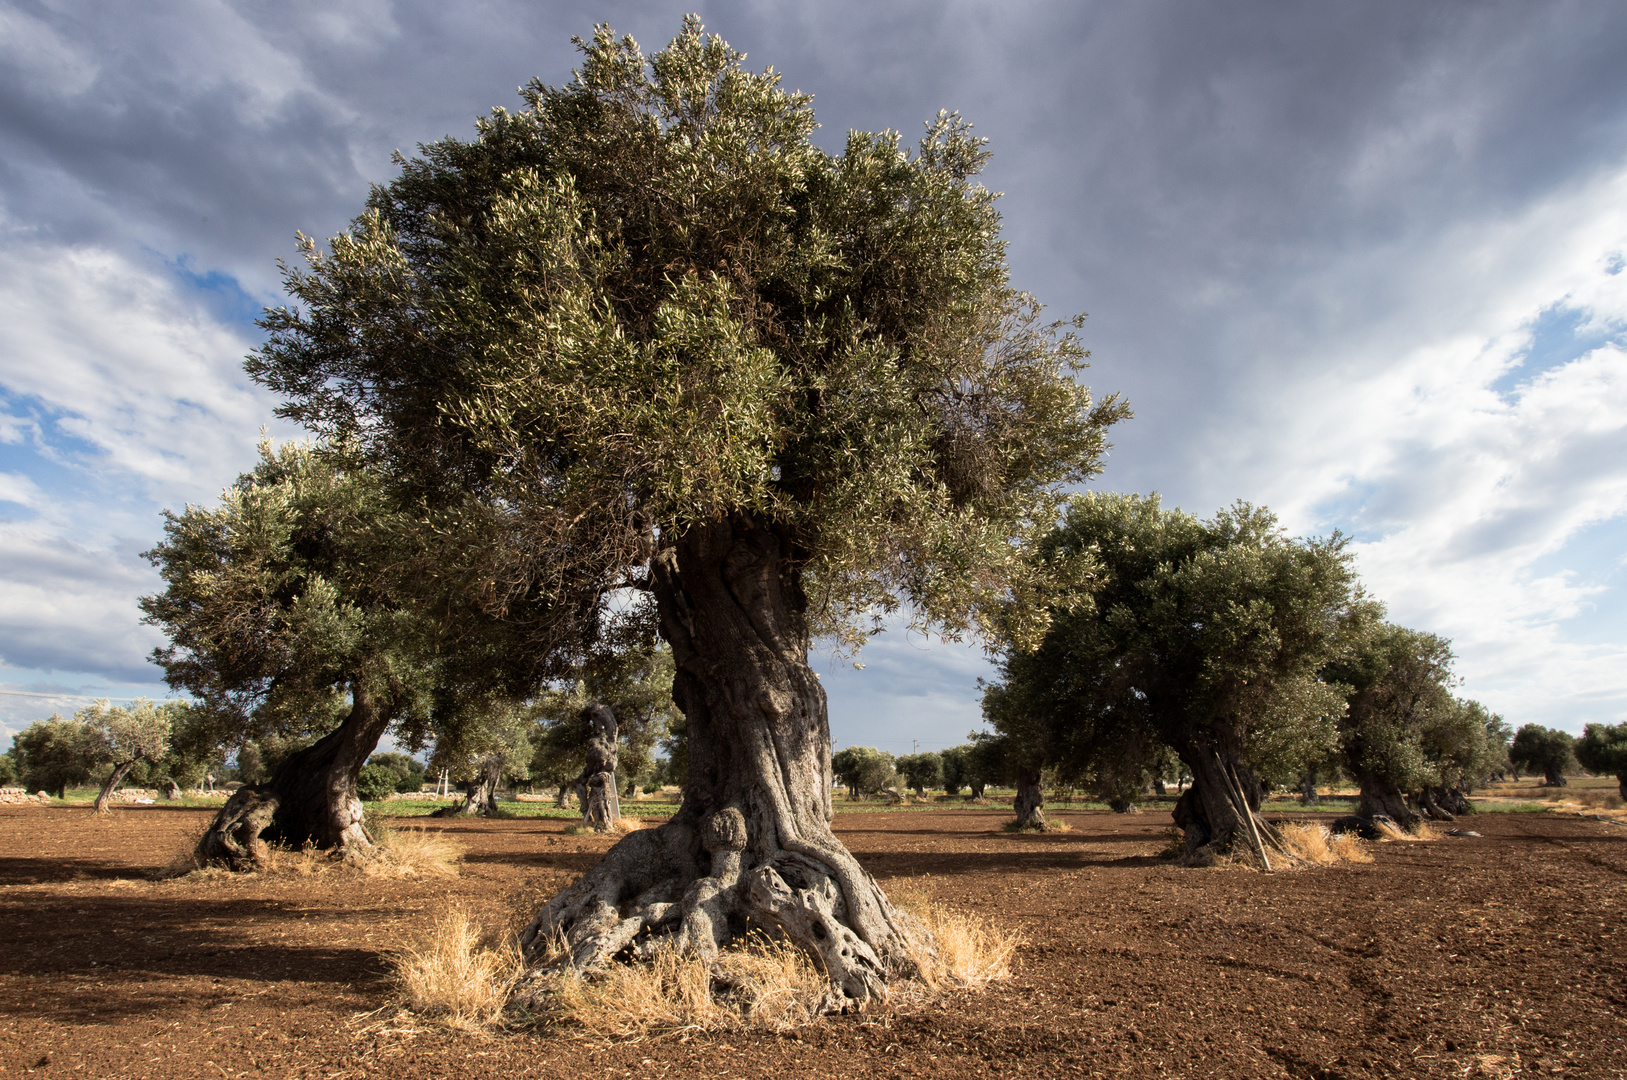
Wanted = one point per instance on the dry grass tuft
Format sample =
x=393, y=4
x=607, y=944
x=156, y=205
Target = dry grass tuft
x=406, y=853
x=1600, y=799
x=307, y=861
x=1051, y=825
x=456, y=974
x=968, y=951
x=1388, y=830
x=1313, y=843
x=1348, y=847
x=761, y=984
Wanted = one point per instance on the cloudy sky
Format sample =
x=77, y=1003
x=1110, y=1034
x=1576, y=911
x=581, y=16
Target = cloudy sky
x=1360, y=262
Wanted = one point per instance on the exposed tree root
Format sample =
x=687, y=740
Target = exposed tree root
x=648, y=896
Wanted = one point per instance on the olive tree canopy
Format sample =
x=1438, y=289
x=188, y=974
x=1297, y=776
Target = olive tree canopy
x=644, y=334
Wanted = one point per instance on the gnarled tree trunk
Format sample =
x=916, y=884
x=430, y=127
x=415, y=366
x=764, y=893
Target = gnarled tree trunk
x=1219, y=813
x=596, y=787
x=1030, y=801
x=1384, y=797
x=1554, y=776
x=114, y=779
x=752, y=843
x=1441, y=803
x=310, y=799
x=480, y=793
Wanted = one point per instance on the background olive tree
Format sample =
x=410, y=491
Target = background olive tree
x=1602, y=749
x=1205, y=637
x=1537, y=749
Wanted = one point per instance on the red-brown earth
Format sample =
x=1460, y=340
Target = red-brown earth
x=1494, y=956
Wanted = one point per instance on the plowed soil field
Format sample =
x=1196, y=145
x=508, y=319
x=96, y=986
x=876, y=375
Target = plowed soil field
x=1494, y=956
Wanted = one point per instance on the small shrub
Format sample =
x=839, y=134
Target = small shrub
x=456, y=974
x=1051, y=825
x=1174, y=844
x=375, y=782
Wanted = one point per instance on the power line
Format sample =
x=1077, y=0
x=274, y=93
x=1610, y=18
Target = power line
x=74, y=697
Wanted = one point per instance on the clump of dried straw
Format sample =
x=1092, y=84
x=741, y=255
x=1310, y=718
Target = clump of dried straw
x=404, y=853
x=1312, y=843
x=966, y=953
x=457, y=974
x=1389, y=830
x=760, y=984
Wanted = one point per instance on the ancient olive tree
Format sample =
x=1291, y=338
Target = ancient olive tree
x=1203, y=636
x=659, y=343
x=634, y=682
x=1602, y=750
x=123, y=737
x=1543, y=750
x=283, y=624
x=407, y=772
x=1464, y=746
x=482, y=742
x=1398, y=684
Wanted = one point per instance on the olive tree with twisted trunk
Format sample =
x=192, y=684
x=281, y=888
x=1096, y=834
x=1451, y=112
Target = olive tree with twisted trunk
x=282, y=623
x=666, y=347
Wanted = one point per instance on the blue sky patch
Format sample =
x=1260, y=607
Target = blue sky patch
x=1560, y=334
x=224, y=296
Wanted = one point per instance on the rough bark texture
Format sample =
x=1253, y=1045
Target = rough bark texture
x=1219, y=813
x=596, y=787
x=1442, y=803
x=1382, y=798
x=1554, y=776
x=172, y=790
x=752, y=844
x=114, y=779
x=310, y=799
x=1030, y=800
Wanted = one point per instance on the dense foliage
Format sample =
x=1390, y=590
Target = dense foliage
x=1205, y=637
x=1602, y=749
x=647, y=299
x=1543, y=750
x=280, y=602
